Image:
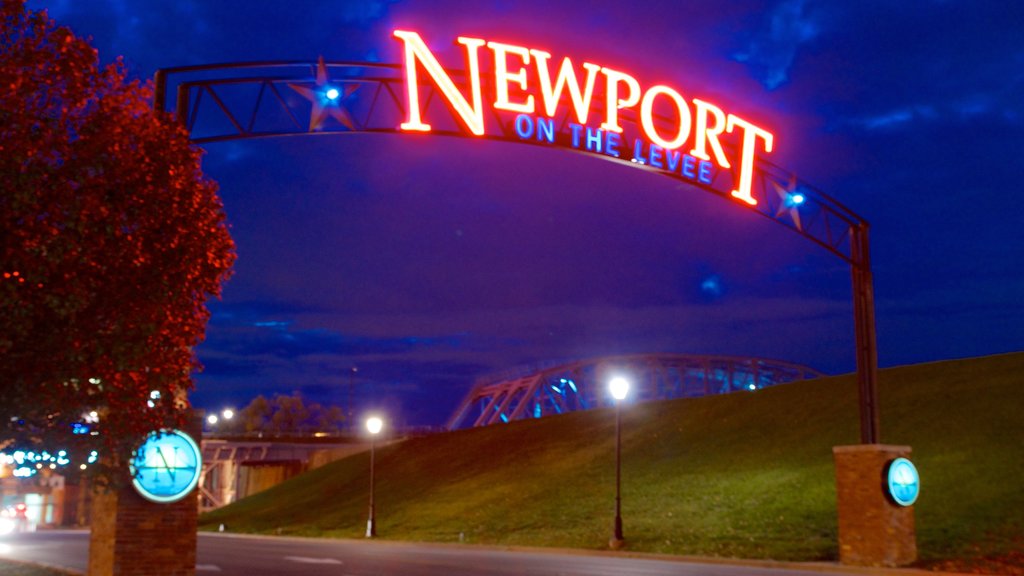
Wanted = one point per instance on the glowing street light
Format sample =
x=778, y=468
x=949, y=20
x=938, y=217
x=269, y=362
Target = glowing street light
x=373, y=426
x=212, y=419
x=619, y=388
x=227, y=414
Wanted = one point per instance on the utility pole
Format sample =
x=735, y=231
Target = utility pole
x=351, y=386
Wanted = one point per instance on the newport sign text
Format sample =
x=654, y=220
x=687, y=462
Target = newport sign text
x=586, y=107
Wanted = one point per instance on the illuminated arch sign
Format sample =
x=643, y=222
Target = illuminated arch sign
x=519, y=94
x=675, y=134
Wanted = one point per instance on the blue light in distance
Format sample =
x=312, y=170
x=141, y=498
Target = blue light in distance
x=332, y=93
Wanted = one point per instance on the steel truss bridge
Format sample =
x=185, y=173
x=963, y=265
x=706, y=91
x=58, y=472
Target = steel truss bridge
x=583, y=384
x=244, y=100
x=225, y=477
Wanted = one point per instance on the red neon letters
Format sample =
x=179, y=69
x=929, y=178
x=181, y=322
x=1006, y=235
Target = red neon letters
x=700, y=123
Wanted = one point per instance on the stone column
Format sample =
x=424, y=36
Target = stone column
x=873, y=530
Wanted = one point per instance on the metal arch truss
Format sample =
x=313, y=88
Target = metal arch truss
x=582, y=385
x=224, y=102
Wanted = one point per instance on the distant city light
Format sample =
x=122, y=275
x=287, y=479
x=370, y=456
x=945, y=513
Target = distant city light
x=228, y=414
x=332, y=93
x=797, y=198
x=212, y=419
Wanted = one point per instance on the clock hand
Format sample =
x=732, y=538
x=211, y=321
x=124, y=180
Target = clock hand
x=170, y=471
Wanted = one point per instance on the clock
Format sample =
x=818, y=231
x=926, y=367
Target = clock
x=902, y=482
x=166, y=467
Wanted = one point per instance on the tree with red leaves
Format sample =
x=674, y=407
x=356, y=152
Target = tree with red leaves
x=111, y=241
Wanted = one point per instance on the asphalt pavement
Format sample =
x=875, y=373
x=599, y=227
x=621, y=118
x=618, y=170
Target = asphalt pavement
x=246, y=555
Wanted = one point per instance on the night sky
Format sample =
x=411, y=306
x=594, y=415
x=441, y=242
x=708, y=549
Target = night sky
x=430, y=262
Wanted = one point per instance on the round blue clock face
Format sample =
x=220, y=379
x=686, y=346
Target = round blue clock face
x=903, y=482
x=166, y=467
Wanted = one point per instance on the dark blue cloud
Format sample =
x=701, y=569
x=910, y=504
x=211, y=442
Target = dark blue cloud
x=429, y=262
x=772, y=49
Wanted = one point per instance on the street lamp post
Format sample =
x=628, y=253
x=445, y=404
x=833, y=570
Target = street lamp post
x=374, y=426
x=619, y=387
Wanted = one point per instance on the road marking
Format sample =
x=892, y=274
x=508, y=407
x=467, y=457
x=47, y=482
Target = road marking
x=304, y=560
x=207, y=568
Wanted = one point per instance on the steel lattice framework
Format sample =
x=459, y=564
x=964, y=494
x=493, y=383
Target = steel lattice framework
x=583, y=384
x=224, y=102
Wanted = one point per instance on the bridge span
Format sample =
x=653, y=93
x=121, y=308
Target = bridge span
x=236, y=468
x=583, y=384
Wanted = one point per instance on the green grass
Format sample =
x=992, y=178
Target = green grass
x=742, y=475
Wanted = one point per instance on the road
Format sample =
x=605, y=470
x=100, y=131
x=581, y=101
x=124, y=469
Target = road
x=224, y=554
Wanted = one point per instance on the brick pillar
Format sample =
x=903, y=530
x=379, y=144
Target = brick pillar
x=102, y=532
x=873, y=530
x=132, y=536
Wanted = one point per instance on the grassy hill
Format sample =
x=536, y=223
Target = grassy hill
x=742, y=475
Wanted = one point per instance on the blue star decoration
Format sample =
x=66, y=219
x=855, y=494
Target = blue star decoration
x=327, y=99
x=790, y=200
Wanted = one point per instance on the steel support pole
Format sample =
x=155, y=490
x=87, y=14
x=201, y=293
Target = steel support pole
x=351, y=411
x=864, y=326
x=371, y=524
x=159, y=89
x=617, y=538
x=181, y=106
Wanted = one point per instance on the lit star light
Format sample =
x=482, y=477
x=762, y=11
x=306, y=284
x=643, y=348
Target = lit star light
x=326, y=99
x=789, y=201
